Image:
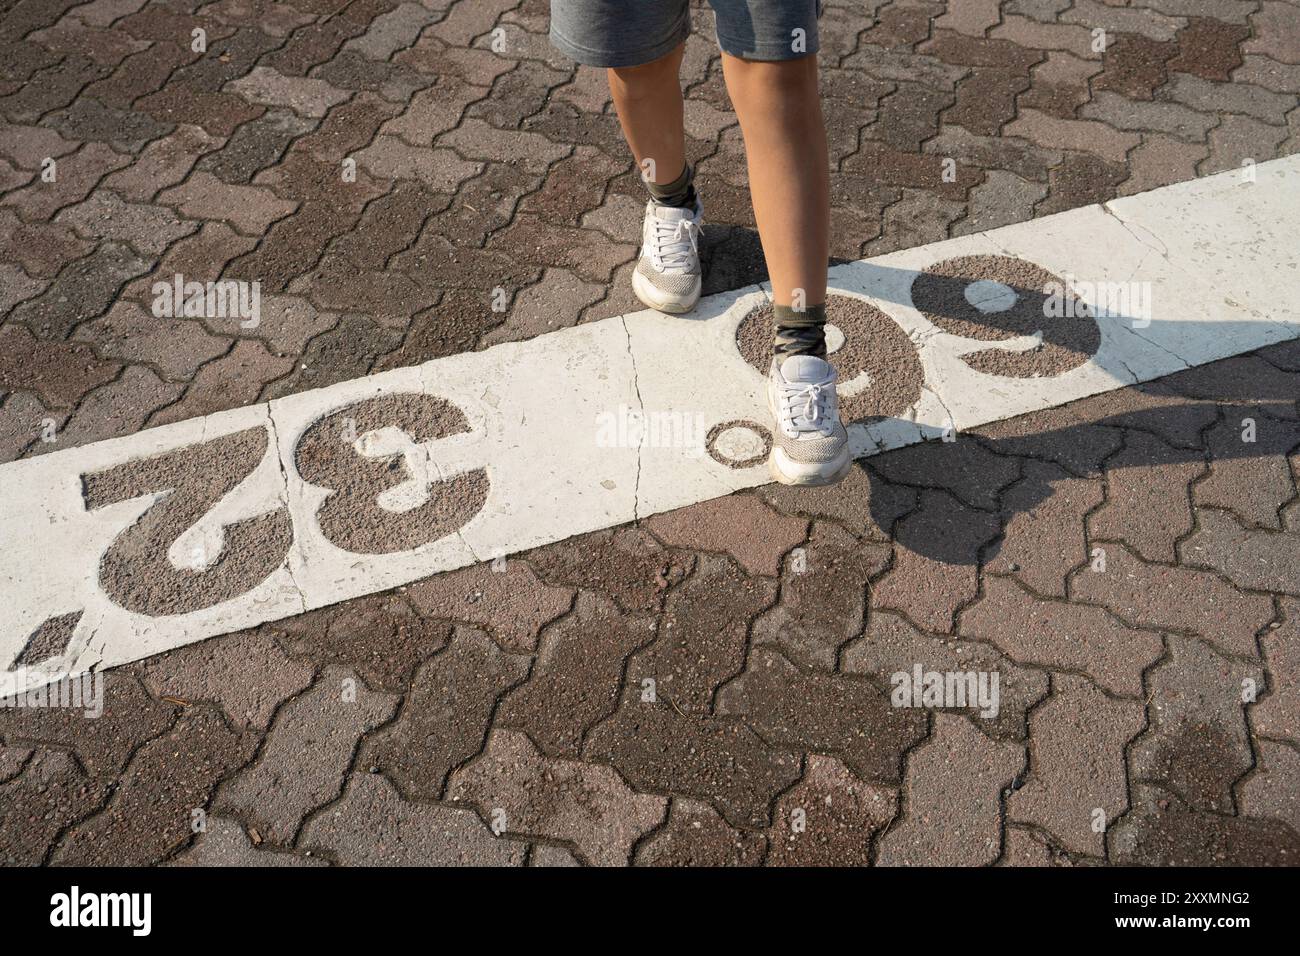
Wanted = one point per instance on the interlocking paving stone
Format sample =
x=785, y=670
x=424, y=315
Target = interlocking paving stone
x=1060, y=84
x=585, y=804
x=828, y=818
x=1197, y=743
x=1023, y=848
x=1038, y=127
x=1101, y=13
x=60, y=373
x=1250, y=451
x=1146, y=503
x=234, y=378
x=371, y=825
x=1237, y=140
x=696, y=835
x=972, y=18
x=891, y=646
x=392, y=31
x=38, y=249
x=952, y=813
x=76, y=175
x=823, y=602
x=1209, y=48
x=200, y=256
x=1042, y=534
x=545, y=306
x=658, y=749
x=91, y=121
x=224, y=843
x=1151, y=117
x=1273, y=33
x=628, y=564
x=1230, y=98
x=382, y=638
x=147, y=229
x=83, y=290
x=305, y=758
x=164, y=162
x=1244, y=381
x=1159, y=597
x=1268, y=73
x=247, y=209
x=511, y=602
x=1076, y=764
x=575, y=680
x=121, y=407
x=146, y=817
x=29, y=146
x=742, y=526
x=1278, y=713
x=1251, y=558
x=701, y=636
x=966, y=469
x=51, y=792
x=1062, y=636
x=934, y=570
x=1160, y=159
x=248, y=676
x=544, y=854
x=845, y=716
x=1003, y=198
x=862, y=503
x=303, y=95
x=1163, y=831
x=445, y=716
x=1273, y=790
x=255, y=146
x=24, y=420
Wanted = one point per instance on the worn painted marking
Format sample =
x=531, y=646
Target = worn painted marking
x=125, y=548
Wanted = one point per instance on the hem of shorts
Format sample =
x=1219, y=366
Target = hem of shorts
x=766, y=52
x=619, y=58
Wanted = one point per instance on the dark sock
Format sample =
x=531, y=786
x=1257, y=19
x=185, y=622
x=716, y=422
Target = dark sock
x=679, y=192
x=800, y=332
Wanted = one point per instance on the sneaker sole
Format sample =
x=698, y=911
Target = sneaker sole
x=654, y=299
x=835, y=474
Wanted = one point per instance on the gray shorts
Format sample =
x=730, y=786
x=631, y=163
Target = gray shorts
x=632, y=32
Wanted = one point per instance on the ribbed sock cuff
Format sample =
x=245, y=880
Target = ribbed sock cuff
x=680, y=192
x=800, y=332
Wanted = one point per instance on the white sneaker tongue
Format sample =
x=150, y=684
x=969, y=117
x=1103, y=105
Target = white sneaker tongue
x=805, y=368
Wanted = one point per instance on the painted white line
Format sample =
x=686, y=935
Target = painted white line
x=122, y=549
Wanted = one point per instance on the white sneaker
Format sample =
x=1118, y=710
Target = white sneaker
x=809, y=444
x=668, y=276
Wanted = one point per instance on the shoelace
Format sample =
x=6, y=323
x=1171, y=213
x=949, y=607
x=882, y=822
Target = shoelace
x=676, y=242
x=814, y=396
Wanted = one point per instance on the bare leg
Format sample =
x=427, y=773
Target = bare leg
x=649, y=103
x=780, y=116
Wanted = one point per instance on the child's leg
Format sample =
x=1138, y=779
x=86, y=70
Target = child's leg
x=769, y=61
x=780, y=114
x=649, y=103
x=640, y=45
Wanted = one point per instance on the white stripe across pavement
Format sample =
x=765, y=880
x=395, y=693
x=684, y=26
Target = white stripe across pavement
x=125, y=548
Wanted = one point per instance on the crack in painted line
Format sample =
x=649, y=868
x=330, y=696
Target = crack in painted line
x=641, y=431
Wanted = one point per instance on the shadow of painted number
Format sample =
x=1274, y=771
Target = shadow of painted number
x=353, y=517
x=137, y=572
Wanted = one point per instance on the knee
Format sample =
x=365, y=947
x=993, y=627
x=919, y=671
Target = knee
x=777, y=78
x=644, y=77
